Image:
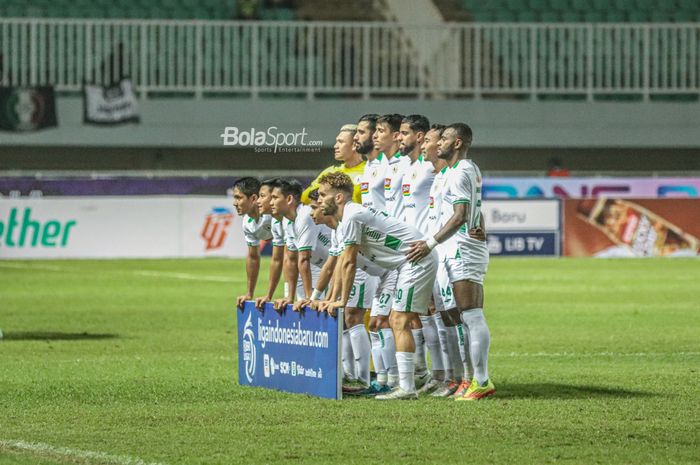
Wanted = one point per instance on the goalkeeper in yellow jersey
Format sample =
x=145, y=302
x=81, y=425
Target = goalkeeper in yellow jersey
x=352, y=163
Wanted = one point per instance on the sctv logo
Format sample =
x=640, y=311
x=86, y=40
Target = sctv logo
x=19, y=230
x=215, y=229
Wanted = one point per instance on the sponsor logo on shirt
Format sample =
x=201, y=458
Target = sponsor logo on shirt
x=432, y=202
x=387, y=184
x=406, y=190
x=364, y=188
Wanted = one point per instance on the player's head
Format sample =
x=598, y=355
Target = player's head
x=285, y=197
x=264, y=195
x=430, y=142
x=335, y=188
x=344, y=147
x=386, y=135
x=411, y=133
x=245, y=195
x=365, y=130
x=316, y=211
x=457, y=137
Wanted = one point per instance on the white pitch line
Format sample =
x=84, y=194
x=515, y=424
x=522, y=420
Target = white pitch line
x=49, y=450
x=25, y=266
x=593, y=354
x=186, y=276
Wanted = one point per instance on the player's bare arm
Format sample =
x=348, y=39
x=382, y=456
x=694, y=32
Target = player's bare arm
x=252, y=268
x=276, y=264
x=459, y=217
x=291, y=274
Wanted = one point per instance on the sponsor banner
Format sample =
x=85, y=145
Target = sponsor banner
x=292, y=351
x=590, y=187
x=533, y=243
x=27, y=108
x=522, y=227
x=521, y=215
x=631, y=227
x=113, y=104
x=119, y=227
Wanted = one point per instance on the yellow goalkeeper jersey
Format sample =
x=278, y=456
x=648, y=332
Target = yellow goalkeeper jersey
x=355, y=174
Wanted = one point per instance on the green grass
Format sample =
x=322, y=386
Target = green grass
x=595, y=361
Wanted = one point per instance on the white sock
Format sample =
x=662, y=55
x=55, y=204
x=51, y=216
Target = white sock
x=406, y=370
x=432, y=342
x=453, y=350
x=442, y=334
x=467, y=364
x=362, y=350
x=479, y=342
x=420, y=362
x=377, y=358
x=389, y=356
x=348, y=356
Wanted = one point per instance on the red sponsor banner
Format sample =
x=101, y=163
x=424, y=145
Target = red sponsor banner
x=215, y=229
x=631, y=227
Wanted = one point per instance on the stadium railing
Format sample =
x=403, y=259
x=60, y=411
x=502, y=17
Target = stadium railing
x=524, y=60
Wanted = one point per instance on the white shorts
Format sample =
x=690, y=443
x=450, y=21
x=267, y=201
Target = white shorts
x=384, y=293
x=362, y=291
x=470, y=264
x=414, y=285
x=443, y=294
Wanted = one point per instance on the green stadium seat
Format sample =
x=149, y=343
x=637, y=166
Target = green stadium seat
x=645, y=5
x=581, y=5
x=492, y=5
x=682, y=16
x=180, y=13
x=615, y=16
x=516, y=5
x=624, y=5
x=56, y=11
x=659, y=16
x=600, y=5
x=34, y=12
x=638, y=16
x=485, y=16
x=559, y=5
x=572, y=17
x=137, y=12
x=593, y=16
x=201, y=13
x=526, y=16
x=689, y=5
x=537, y=5
x=550, y=17
x=665, y=5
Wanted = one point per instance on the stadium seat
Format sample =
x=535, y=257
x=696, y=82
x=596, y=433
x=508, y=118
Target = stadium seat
x=526, y=16
x=638, y=16
x=624, y=5
x=581, y=5
x=615, y=16
x=559, y=5
x=593, y=16
x=550, y=17
x=571, y=17
x=516, y=5
x=600, y=5
x=682, y=16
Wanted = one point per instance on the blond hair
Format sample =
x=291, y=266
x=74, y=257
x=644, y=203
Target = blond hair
x=338, y=181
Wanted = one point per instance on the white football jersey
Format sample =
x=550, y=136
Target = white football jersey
x=277, y=229
x=417, y=182
x=463, y=186
x=258, y=230
x=396, y=167
x=382, y=239
x=372, y=183
x=363, y=264
x=303, y=234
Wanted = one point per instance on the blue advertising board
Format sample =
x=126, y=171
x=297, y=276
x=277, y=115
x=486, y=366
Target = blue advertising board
x=289, y=351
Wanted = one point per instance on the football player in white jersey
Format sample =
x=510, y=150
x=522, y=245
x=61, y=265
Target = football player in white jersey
x=383, y=240
x=305, y=239
x=356, y=349
x=256, y=228
x=417, y=180
x=372, y=180
x=466, y=259
x=278, y=245
x=386, y=140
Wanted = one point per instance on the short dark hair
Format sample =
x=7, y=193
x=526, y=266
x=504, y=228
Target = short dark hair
x=313, y=195
x=463, y=131
x=393, y=120
x=370, y=119
x=439, y=128
x=418, y=123
x=271, y=183
x=247, y=185
x=291, y=187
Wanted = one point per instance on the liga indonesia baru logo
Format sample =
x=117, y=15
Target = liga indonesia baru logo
x=249, y=349
x=271, y=140
x=216, y=225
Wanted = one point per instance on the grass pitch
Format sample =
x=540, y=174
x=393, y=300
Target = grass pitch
x=595, y=361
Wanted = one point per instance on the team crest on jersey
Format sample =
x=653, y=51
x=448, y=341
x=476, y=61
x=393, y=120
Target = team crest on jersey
x=374, y=173
x=414, y=176
x=395, y=169
x=387, y=184
x=364, y=188
x=432, y=202
x=406, y=190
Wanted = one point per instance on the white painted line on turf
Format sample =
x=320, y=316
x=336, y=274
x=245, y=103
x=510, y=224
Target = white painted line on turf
x=49, y=450
x=26, y=266
x=593, y=354
x=186, y=276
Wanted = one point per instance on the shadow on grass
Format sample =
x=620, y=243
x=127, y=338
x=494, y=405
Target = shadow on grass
x=563, y=391
x=55, y=336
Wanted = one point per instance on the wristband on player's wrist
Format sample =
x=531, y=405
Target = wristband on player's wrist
x=431, y=243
